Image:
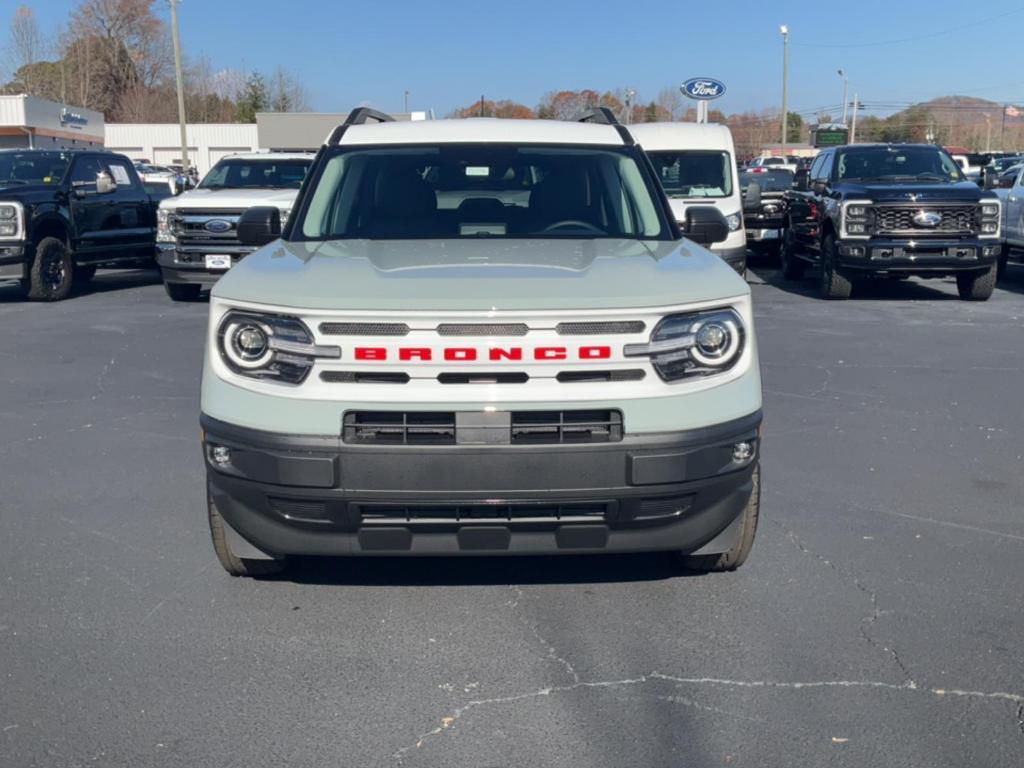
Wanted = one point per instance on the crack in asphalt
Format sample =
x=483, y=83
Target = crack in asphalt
x=449, y=721
x=552, y=651
x=872, y=596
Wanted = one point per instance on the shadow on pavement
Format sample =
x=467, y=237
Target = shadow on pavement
x=873, y=289
x=1013, y=280
x=483, y=571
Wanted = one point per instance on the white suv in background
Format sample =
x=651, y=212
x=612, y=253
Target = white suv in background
x=197, y=237
x=696, y=164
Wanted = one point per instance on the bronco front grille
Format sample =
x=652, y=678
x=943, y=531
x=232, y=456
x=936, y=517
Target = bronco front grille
x=899, y=220
x=518, y=427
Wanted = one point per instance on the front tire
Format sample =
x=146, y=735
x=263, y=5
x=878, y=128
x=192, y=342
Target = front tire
x=233, y=564
x=737, y=556
x=52, y=273
x=977, y=286
x=183, y=291
x=834, y=284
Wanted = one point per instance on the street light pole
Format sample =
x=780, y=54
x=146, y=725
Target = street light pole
x=176, y=40
x=407, y=102
x=845, y=83
x=785, y=87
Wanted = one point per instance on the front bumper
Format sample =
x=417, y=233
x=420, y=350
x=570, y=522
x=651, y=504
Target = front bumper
x=767, y=235
x=940, y=256
x=13, y=257
x=306, y=495
x=188, y=264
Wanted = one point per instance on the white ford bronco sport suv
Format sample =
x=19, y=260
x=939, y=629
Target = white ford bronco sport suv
x=481, y=337
x=197, y=232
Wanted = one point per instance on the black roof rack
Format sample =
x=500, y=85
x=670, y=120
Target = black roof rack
x=605, y=116
x=358, y=116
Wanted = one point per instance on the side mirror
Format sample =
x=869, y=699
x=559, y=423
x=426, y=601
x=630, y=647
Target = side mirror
x=801, y=182
x=259, y=226
x=104, y=184
x=705, y=225
x=752, y=197
x=989, y=179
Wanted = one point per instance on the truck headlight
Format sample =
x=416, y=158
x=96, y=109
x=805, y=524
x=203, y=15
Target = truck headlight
x=990, y=218
x=855, y=219
x=734, y=221
x=12, y=220
x=269, y=347
x=695, y=344
x=164, y=233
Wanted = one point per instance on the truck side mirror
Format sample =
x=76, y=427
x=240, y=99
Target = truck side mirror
x=989, y=179
x=752, y=197
x=104, y=184
x=705, y=225
x=259, y=226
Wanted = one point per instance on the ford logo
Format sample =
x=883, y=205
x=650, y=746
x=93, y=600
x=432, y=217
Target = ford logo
x=703, y=88
x=928, y=219
x=217, y=226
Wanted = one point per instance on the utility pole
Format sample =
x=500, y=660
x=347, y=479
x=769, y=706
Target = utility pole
x=630, y=94
x=407, y=102
x=845, y=84
x=176, y=39
x=481, y=105
x=785, y=87
x=1002, y=129
x=853, y=126
x=988, y=131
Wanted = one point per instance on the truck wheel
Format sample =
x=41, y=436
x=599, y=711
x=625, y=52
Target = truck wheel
x=735, y=557
x=233, y=564
x=52, y=274
x=85, y=273
x=792, y=265
x=183, y=291
x=977, y=286
x=833, y=284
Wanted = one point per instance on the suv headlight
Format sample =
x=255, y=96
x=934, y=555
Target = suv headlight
x=269, y=347
x=990, y=218
x=695, y=344
x=164, y=233
x=734, y=221
x=12, y=221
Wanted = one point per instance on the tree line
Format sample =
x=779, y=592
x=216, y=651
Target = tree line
x=115, y=56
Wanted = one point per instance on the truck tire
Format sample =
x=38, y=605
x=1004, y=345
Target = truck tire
x=977, y=286
x=792, y=265
x=834, y=285
x=233, y=564
x=51, y=273
x=183, y=291
x=735, y=557
x=84, y=273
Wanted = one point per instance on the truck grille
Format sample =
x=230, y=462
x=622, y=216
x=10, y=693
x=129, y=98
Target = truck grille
x=191, y=227
x=521, y=512
x=520, y=427
x=899, y=220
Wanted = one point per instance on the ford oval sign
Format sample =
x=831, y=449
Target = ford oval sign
x=929, y=219
x=703, y=88
x=217, y=226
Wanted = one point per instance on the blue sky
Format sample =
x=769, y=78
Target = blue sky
x=449, y=52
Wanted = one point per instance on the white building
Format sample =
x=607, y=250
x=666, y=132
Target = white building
x=160, y=143
x=26, y=121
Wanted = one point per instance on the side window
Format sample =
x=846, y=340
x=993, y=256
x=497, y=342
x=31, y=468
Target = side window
x=121, y=174
x=825, y=171
x=816, y=167
x=84, y=171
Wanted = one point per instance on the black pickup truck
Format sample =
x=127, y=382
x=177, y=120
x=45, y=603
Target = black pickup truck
x=891, y=210
x=65, y=213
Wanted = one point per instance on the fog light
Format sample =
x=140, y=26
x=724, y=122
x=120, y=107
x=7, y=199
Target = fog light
x=743, y=452
x=221, y=455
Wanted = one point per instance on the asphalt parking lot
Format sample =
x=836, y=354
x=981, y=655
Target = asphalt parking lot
x=878, y=622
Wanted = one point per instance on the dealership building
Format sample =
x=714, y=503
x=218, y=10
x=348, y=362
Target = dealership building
x=28, y=122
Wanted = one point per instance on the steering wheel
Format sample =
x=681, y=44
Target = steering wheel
x=573, y=223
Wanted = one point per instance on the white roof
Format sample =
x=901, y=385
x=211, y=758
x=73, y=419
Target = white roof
x=271, y=156
x=482, y=129
x=668, y=136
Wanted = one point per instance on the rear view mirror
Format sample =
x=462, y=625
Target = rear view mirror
x=705, y=224
x=104, y=184
x=259, y=226
x=752, y=197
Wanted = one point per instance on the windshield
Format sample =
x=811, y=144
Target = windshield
x=769, y=180
x=694, y=173
x=898, y=164
x=256, y=174
x=32, y=167
x=470, y=190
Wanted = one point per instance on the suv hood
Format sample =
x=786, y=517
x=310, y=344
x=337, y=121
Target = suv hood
x=232, y=198
x=963, y=191
x=484, y=275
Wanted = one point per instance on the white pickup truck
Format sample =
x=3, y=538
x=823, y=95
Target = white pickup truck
x=197, y=239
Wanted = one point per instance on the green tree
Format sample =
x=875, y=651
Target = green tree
x=794, y=128
x=255, y=98
x=651, y=113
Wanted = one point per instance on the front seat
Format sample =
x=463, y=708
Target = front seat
x=402, y=204
x=563, y=195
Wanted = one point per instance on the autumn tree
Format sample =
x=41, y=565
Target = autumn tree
x=504, y=109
